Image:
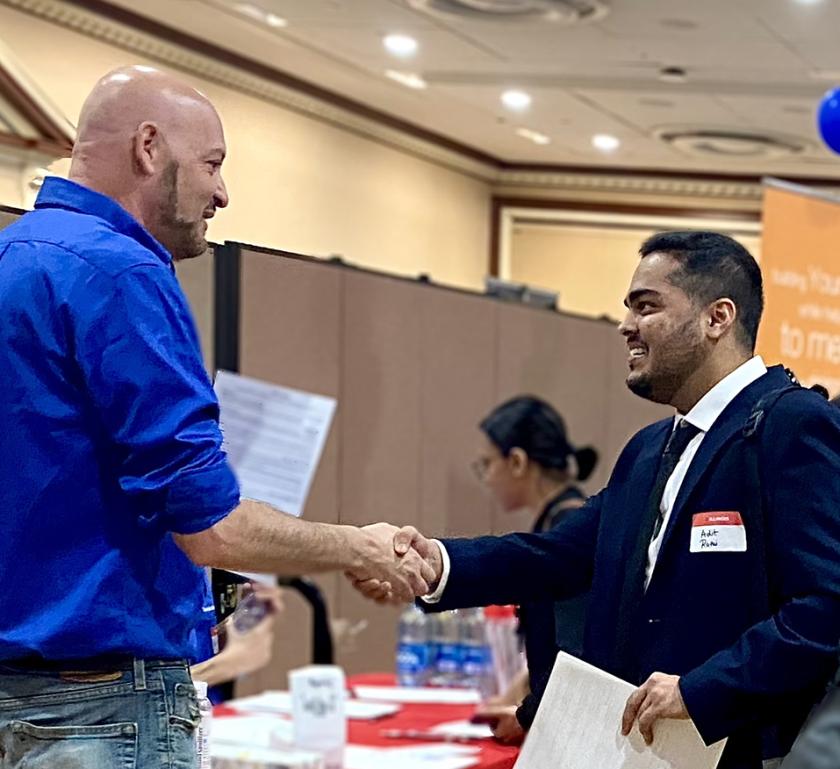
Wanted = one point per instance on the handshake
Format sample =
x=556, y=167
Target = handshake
x=395, y=565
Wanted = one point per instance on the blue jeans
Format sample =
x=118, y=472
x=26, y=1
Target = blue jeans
x=137, y=715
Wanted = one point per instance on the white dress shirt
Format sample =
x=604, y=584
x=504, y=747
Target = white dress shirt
x=703, y=415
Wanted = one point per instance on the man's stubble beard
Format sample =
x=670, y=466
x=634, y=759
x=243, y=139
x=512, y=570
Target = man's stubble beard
x=178, y=235
x=669, y=374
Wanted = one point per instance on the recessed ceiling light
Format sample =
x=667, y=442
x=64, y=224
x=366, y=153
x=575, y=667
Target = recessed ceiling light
x=256, y=13
x=605, y=142
x=809, y=2
x=400, y=45
x=534, y=136
x=408, y=79
x=516, y=100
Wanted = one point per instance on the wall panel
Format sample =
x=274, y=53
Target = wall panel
x=289, y=335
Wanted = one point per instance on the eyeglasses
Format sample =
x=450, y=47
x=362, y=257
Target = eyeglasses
x=481, y=466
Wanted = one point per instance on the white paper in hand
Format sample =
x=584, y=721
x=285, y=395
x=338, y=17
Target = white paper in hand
x=578, y=726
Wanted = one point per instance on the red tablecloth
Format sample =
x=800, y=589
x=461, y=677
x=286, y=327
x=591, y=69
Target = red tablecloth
x=492, y=755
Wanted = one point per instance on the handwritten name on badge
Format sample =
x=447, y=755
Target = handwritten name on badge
x=718, y=532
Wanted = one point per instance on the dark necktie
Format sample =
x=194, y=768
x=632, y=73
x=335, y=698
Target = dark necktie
x=677, y=444
x=649, y=527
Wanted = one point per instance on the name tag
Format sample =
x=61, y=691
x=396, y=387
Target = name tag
x=719, y=532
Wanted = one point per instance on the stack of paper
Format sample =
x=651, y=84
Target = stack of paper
x=578, y=726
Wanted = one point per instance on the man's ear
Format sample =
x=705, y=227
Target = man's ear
x=721, y=316
x=146, y=148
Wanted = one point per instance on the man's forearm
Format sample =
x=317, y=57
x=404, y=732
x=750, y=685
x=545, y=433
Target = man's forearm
x=257, y=537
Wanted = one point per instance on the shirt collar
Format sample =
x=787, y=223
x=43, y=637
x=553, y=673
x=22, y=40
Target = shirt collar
x=704, y=413
x=71, y=196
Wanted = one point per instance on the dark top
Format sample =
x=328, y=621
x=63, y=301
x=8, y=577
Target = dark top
x=551, y=626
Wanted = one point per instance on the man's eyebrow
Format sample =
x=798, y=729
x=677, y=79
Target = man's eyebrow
x=634, y=296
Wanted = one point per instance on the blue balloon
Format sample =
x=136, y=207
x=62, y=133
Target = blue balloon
x=828, y=119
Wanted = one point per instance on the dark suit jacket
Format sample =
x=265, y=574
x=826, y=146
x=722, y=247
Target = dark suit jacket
x=747, y=656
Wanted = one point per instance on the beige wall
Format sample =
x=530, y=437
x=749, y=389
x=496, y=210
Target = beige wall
x=11, y=191
x=590, y=266
x=296, y=183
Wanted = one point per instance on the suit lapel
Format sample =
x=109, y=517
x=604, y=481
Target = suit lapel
x=726, y=428
x=642, y=477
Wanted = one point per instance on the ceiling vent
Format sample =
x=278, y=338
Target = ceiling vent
x=566, y=12
x=732, y=144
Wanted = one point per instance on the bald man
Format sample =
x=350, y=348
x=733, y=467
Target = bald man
x=114, y=489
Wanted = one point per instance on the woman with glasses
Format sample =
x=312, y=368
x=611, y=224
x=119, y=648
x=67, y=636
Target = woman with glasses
x=527, y=462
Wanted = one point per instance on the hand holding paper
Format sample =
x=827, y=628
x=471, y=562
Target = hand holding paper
x=579, y=724
x=659, y=697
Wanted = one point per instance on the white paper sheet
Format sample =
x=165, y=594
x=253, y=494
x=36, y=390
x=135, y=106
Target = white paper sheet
x=274, y=437
x=251, y=731
x=423, y=757
x=226, y=756
x=578, y=726
x=463, y=730
x=410, y=694
x=280, y=703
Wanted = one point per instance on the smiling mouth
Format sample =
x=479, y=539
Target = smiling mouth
x=635, y=354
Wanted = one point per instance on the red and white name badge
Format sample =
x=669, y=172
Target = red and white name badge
x=719, y=532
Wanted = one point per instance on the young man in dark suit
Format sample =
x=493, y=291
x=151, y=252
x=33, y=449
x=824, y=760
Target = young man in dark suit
x=712, y=556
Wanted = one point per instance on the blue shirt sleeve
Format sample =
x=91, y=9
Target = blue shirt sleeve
x=139, y=358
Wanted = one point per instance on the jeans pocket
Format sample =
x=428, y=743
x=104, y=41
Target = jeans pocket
x=185, y=713
x=184, y=719
x=104, y=746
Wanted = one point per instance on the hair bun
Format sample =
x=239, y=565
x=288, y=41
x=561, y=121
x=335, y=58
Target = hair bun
x=586, y=459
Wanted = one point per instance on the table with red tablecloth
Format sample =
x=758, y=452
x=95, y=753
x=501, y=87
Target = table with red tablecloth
x=414, y=717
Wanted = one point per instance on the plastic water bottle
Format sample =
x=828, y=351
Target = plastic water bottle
x=477, y=661
x=413, y=648
x=202, y=733
x=447, y=643
x=505, y=647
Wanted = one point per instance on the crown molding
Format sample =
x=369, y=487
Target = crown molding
x=630, y=183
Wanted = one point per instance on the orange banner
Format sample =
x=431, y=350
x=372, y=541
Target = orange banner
x=800, y=262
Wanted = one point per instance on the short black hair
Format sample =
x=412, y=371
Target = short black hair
x=529, y=423
x=714, y=266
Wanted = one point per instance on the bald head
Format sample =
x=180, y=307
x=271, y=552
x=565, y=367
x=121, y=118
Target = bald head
x=155, y=145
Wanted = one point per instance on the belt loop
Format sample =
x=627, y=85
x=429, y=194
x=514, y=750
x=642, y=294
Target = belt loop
x=139, y=675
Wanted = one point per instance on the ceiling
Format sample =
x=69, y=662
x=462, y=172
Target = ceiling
x=752, y=67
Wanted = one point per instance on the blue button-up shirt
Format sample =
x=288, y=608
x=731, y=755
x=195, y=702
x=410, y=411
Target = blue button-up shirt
x=109, y=437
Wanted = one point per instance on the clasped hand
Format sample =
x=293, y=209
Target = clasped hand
x=404, y=564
